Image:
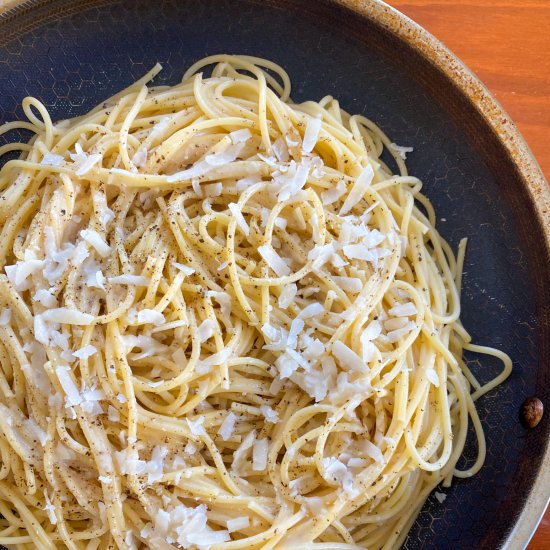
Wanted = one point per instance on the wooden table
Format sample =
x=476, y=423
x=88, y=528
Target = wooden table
x=507, y=44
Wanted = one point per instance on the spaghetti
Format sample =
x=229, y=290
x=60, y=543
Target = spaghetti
x=225, y=323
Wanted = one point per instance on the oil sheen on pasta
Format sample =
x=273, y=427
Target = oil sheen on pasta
x=224, y=323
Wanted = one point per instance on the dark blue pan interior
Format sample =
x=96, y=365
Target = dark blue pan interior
x=74, y=54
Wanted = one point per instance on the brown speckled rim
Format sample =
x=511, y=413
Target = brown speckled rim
x=534, y=181
x=515, y=146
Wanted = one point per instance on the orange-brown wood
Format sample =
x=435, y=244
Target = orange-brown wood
x=507, y=44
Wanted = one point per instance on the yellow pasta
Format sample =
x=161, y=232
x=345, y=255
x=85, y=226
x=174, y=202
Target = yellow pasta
x=224, y=323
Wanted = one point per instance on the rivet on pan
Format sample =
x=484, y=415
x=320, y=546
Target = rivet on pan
x=531, y=412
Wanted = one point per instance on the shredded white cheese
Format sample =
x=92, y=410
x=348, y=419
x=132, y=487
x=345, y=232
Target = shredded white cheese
x=358, y=189
x=84, y=162
x=238, y=215
x=273, y=260
x=85, y=352
x=196, y=426
x=347, y=358
x=372, y=451
x=186, y=270
x=401, y=151
x=432, y=376
x=51, y=159
x=237, y=524
x=403, y=310
x=312, y=310
x=205, y=330
x=5, y=316
x=311, y=134
x=332, y=195
x=227, y=426
x=287, y=295
x=240, y=136
x=150, y=316
x=136, y=280
x=96, y=241
x=66, y=316
x=259, y=455
x=349, y=284
x=270, y=415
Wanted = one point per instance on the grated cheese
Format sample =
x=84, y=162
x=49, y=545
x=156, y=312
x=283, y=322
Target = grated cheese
x=45, y=297
x=85, y=352
x=155, y=466
x=5, y=316
x=240, y=454
x=259, y=455
x=401, y=151
x=360, y=252
x=66, y=316
x=330, y=196
x=51, y=159
x=140, y=157
x=50, y=509
x=372, y=451
x=205, y=330
x=280, y=150
x=96, y=241
x=223, y=298
x=395, y=323
x=237, y=524
x=432, y=376
x=349, y=284
x=186, y=526
x=228, y=425
x=347, y=358
x=217, y=359
x=150, y=316
x=311, y=134
x=396, y=335
x=186, y=270
x=225, y=156
x=403, y=310
x=270, y=415
x=83, y=162
x=296, y=328
x=240, y=136
x=113, y=414
x=287, y=295
x=337, y=472
x=68, y=385
x=358, y=189
x=237, y=214
x=136, y=280
x=273, y=260
x=196, y=426
x=312, y=310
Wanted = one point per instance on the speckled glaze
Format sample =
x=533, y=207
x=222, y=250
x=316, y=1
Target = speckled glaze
x=477, y=170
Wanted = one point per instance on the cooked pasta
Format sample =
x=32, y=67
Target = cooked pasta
x=225, y=323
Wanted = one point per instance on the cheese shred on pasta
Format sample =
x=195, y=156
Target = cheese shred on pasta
x=224, y=323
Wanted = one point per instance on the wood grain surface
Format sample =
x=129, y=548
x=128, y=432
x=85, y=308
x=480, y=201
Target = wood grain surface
x=507, y=44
